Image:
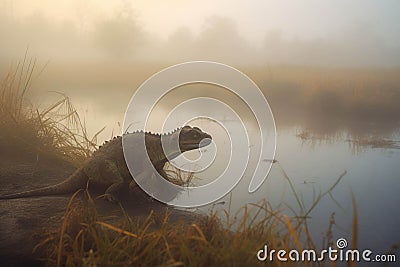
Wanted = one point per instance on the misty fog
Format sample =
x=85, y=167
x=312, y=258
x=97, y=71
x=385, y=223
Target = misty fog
x=123, y=37
x=99, y=62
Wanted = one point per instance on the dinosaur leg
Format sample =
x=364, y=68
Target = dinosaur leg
x=112, y=191
x=143, y=176
x=146, y=177
x=108, y=172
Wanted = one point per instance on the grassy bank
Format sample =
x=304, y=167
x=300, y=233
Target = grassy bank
x=86, y=239
x=55, y=131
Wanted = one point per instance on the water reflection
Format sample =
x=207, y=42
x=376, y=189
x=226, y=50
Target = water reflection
x=356, y=144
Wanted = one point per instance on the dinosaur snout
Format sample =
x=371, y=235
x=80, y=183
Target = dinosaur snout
x=205, y=141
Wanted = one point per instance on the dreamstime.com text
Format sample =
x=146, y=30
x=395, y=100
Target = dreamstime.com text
x=340, y=253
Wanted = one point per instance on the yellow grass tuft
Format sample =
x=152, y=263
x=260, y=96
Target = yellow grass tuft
x=55, y=132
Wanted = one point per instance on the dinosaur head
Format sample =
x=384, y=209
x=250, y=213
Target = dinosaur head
x=185, y=139
x=192, y=138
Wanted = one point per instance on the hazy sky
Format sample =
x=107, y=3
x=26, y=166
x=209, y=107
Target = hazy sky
x=302, y=19
x=337, y=26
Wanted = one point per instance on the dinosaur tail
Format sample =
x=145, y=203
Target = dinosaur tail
x=76, y=181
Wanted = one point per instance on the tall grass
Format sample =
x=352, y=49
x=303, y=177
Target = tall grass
x=56, y=131
x=219, y=239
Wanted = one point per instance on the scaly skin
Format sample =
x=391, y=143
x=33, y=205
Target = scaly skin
x=107, y=167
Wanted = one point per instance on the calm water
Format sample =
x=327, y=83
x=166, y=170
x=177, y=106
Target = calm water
x=373, y=175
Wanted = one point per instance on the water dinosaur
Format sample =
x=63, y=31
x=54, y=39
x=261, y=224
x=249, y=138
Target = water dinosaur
x=107, y=167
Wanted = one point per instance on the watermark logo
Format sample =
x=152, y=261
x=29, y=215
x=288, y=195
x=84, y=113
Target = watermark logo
x=332, y=254
x=164, y=82
x=341, y=243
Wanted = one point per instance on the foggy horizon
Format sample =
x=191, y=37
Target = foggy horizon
x=299, y=55
x=125, y=32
